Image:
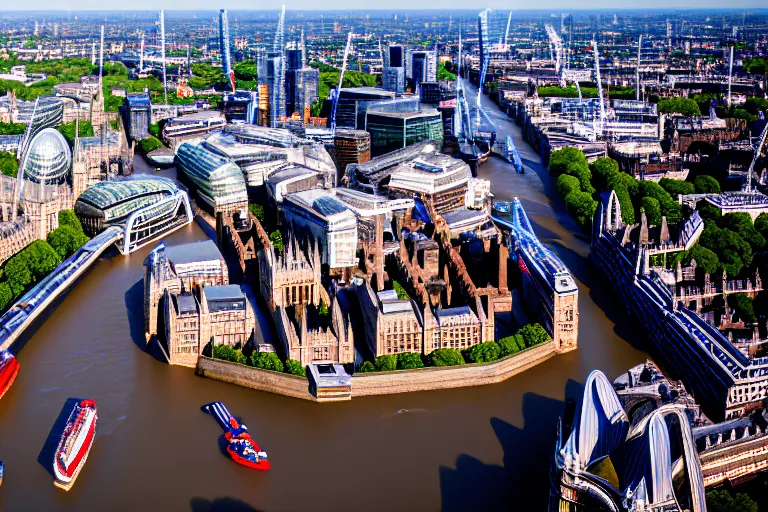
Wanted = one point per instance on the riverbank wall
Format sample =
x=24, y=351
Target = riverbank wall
x=381, y=383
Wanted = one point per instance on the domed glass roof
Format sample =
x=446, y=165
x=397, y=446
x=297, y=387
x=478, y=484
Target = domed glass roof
x=48, y=158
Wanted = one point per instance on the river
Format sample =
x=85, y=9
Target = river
x=483, y=448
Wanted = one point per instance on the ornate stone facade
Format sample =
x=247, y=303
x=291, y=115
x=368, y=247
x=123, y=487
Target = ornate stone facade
x=220, y=313
x=392, y=326
x=291, y=279
x=179, y=269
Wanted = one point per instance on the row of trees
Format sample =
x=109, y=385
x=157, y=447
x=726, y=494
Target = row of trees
x=262, y=360
x=588, y=90
x=683, y=106
x=148, y=144
x=579, y=182
x=38, y=259
x=526, y=337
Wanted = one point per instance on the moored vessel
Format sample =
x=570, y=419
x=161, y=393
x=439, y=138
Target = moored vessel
x=240, y=445
x=9, y=369
x=75, y=444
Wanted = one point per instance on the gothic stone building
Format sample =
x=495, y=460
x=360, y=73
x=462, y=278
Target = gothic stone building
x=179, y=269
x=222, y=314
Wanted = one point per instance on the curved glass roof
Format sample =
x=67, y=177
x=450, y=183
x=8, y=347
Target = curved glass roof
x=328, y=206
x=108, y=193
x=219, y=178
x=48, y=159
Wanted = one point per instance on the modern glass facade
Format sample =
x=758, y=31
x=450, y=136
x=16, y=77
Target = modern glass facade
x=46, y=113
x=219, y=181
x=48, y=158
x=145, y=208
x=396, y=130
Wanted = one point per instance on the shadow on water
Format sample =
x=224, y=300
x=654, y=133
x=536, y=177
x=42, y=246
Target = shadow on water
x=134, y=305
x=219, y=505
x=48, y=452
x=522, y=482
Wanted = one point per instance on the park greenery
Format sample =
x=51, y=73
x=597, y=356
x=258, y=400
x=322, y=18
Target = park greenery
x=276, y=239
x=30, y=265
x=444, y=74
x=85, y=129
x=683, y=106
x=526, y=337
x=755, y=65
x=587, y=91
x=8, y=163
x=724, y=501
x=400, y=291
x=329, y=79
x=12, y=128
x=261, y=360
x=148, y=144
x=257, y=210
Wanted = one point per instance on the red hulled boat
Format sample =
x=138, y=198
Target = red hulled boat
x=243, y=449
x=9, y=368
x=75, y=444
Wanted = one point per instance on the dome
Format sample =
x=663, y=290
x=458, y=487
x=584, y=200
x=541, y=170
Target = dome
x=48, y=158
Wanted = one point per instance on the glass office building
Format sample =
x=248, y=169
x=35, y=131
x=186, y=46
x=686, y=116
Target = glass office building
x=218, y=180
x=48, y=158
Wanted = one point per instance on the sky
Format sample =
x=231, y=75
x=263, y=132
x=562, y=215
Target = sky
x=377, y=4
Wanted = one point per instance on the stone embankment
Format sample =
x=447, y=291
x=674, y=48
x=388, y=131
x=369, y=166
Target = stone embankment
x=384, y=383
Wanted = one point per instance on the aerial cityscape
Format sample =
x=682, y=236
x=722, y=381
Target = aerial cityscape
x=473, y=259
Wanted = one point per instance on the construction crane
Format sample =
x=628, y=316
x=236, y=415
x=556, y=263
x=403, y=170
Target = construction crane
x=279, y=43
x=506, y=33
x=341, y=80
x=637, y=71
x=758, y=150
x=730, y=76
x=599, y=129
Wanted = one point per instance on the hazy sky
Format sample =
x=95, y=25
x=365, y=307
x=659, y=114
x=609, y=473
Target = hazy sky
x=376, y=4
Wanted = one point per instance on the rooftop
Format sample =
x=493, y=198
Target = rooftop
x=108, y=193
x=205, y=250
x=225, y=292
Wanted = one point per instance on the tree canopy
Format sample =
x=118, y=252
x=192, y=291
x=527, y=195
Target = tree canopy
x=706, y=185
x=723, y=501
x=446, y=357
x=484, y=352
x=409, y=361
x=683, y=106
x=8, y=163
x=652, y=211
x=85, y=129
x=266, y=361
x=294, y=368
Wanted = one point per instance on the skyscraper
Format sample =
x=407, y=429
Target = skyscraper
x=421, y=66
x=393, y=77
x=484, y=37
x=226, y=63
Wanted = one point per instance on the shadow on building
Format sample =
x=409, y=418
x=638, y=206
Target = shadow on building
x=134, y=305
x=521, y=482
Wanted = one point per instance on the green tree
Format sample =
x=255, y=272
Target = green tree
x=228, y=353
x=484, y=352
x=446, y=357
x=761, y=223
x=684, y=106
x=675, y=187
x=205, y=76
x=12, y=128
x=625, y=202
x=65, y=240
x=257, y=211
x=652, y=211
x=707, y=261
x=582, y=207
x=560, y=160
x=706, y=185
x=409, y=361
x=6, y=295
x=628, y=182
x=723, y=501
x=84, y=129
x=266, y=361
x=581, y=171
x=8, y=163
x=68, y=218
x=386, y=363
x=742, y=304
x=149, y=144
x=533, y=334
x=400, y=291
x=294, y=367
x=276, y=239
x=741, y=223
x=603, y=169
x=567, y=184
x=367, y=367
x=323, y=310
x=444, y=74
x=246, y=70
x=154, y=130
x=508, y=345
x=733, y=251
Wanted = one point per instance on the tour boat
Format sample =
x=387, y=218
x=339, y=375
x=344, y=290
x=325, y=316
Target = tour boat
x=75, y=443
x=9, y=368
x=240, y=445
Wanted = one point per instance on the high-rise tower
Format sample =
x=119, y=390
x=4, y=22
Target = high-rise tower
x=226, y=63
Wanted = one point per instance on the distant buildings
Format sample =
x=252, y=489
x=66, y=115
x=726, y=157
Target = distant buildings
x=192, y=126
x=393, y=75
x=421, y=66
x=138, y=115
x=240, y=106
x=226, y=63
x=399, y=124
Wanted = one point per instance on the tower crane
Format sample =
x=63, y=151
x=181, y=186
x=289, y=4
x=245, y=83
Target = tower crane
x=599, y=129
x=758, y=150
x=341, y=79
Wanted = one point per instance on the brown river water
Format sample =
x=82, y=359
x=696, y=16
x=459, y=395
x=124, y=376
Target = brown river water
x=482, y=448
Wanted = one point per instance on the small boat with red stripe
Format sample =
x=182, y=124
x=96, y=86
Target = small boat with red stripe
x=9, y=369
x=75, y=444
x=240, y=445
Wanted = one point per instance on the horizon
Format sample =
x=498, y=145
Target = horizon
x=35, y=6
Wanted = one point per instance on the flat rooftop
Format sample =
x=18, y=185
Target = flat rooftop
x=205, y=250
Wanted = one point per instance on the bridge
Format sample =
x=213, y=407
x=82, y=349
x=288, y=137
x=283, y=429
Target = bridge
x=35, y=301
